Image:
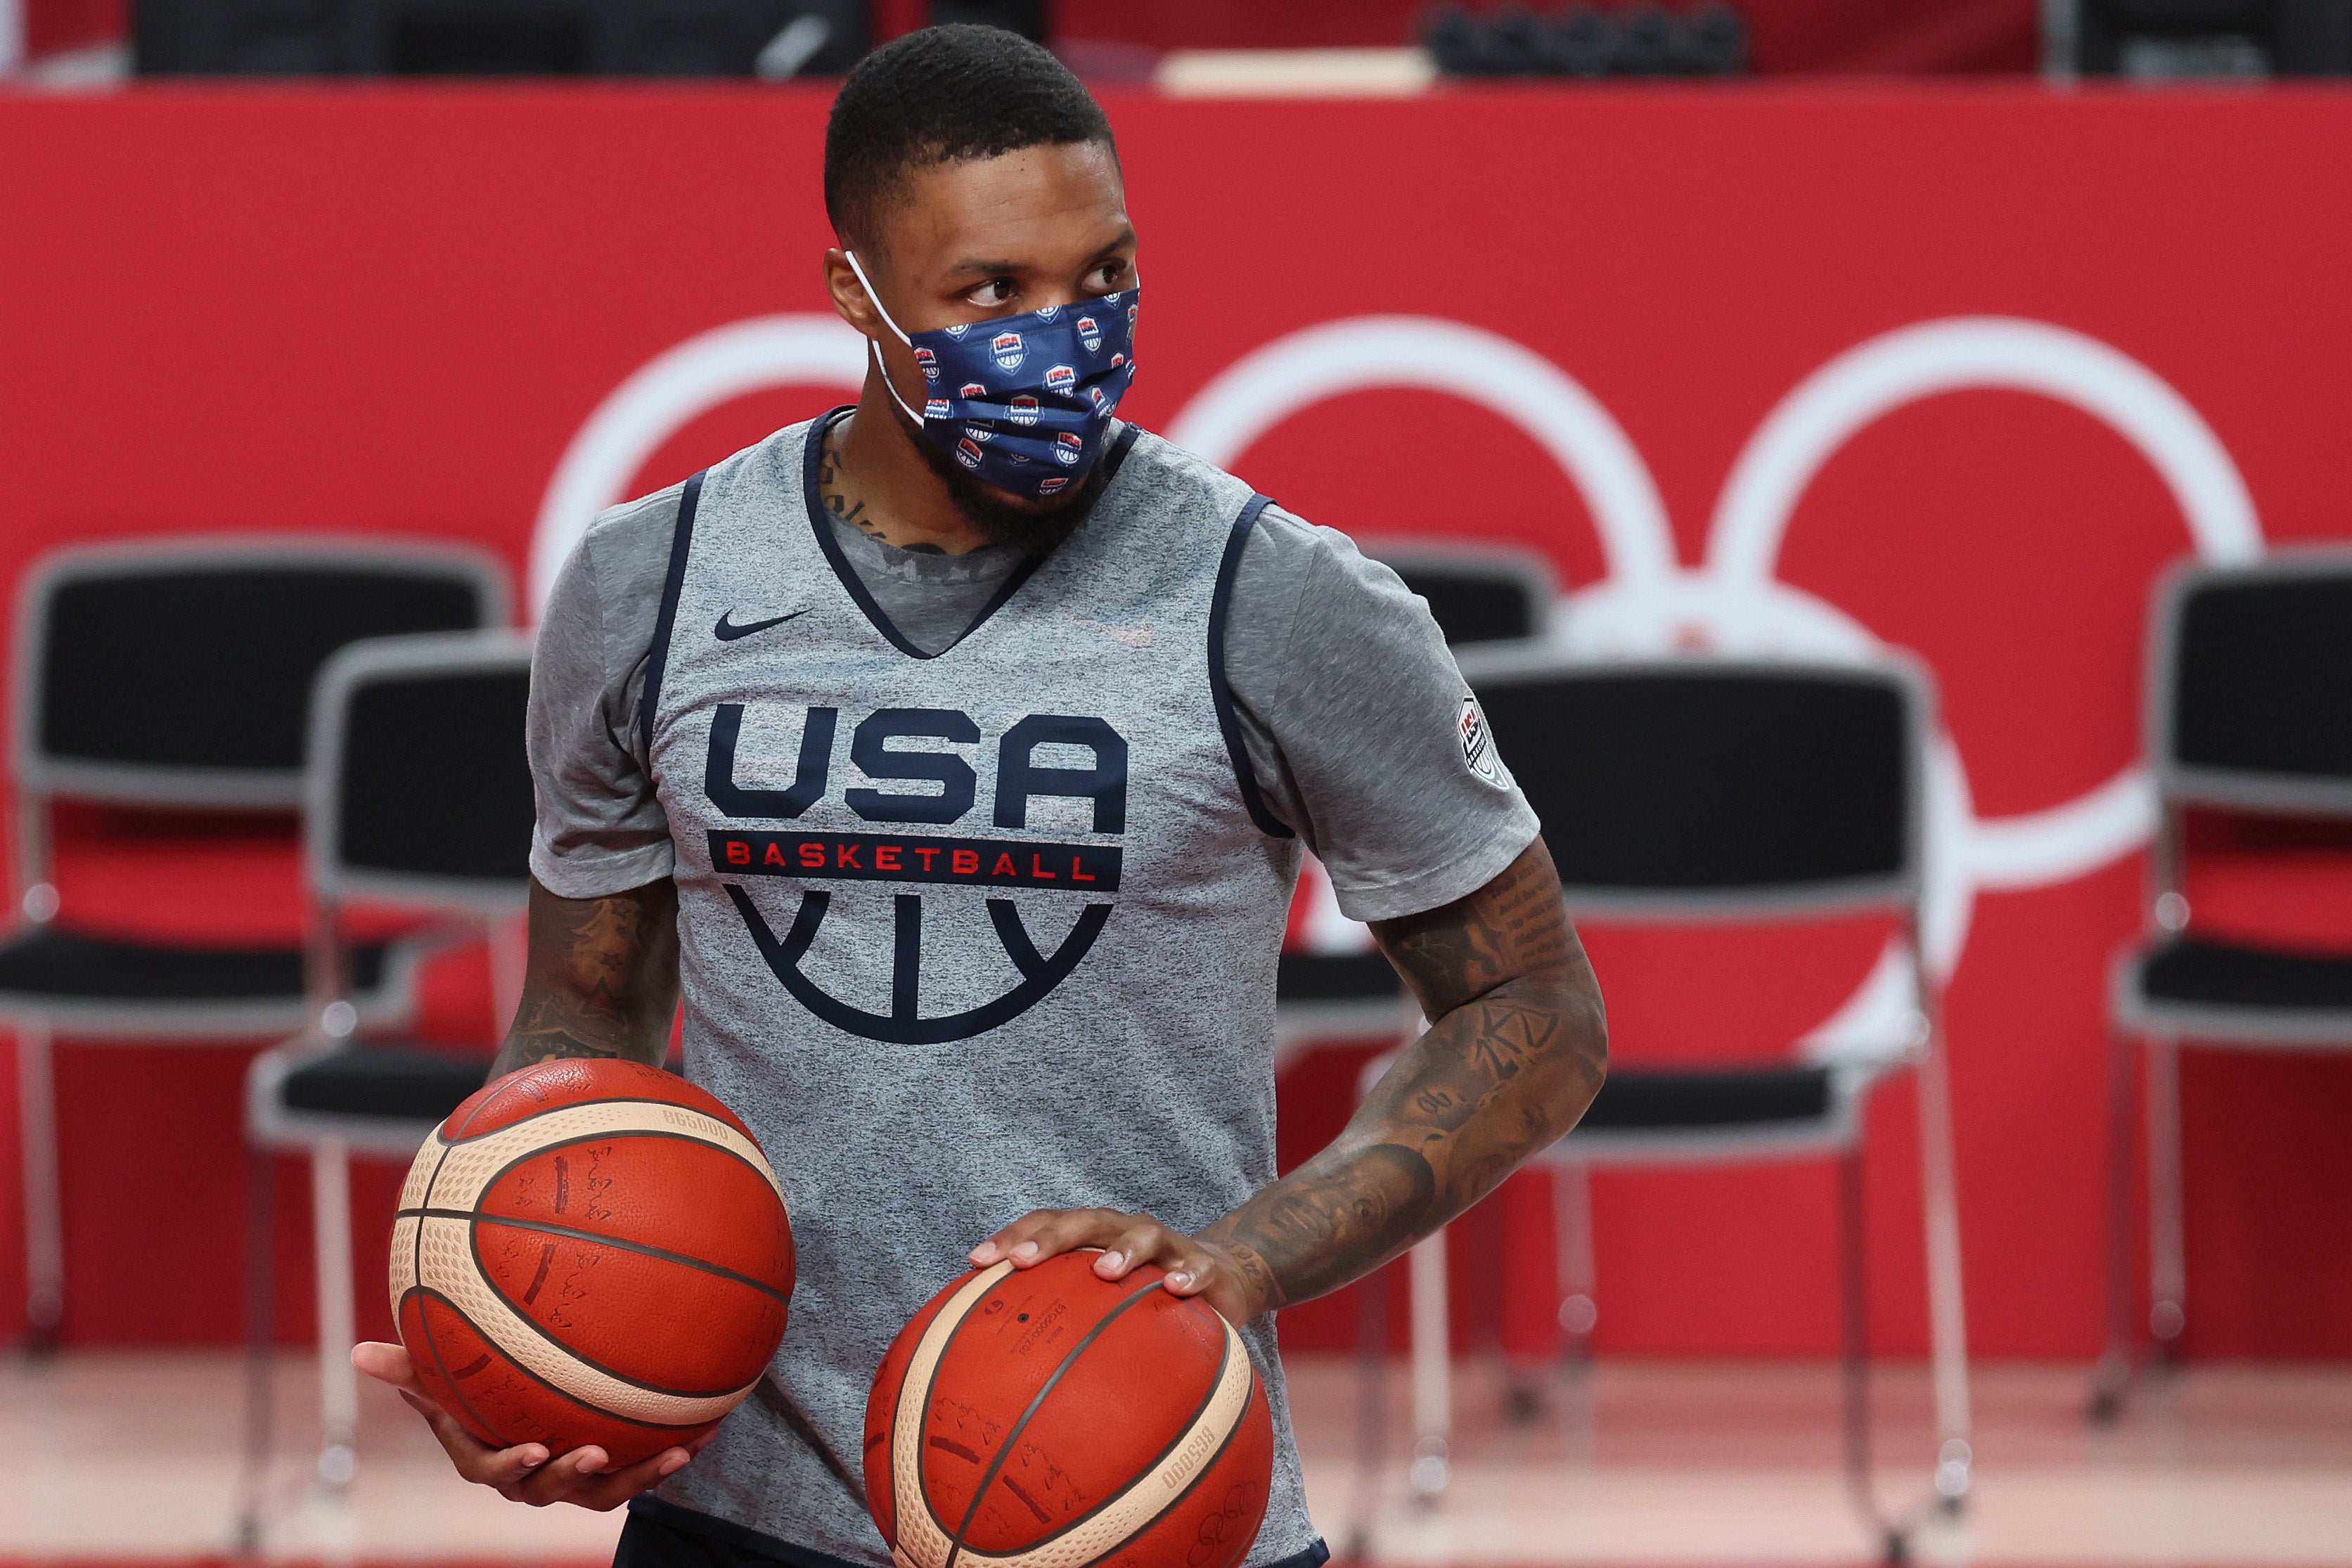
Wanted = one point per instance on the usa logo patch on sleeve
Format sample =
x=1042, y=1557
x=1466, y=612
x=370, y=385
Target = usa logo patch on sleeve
x=1478, y=743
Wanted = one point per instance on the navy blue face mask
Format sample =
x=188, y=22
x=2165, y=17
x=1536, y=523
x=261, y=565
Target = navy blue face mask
x=1021, y=401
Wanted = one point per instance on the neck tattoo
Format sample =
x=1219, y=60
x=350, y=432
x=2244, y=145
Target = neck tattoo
x=833, y=489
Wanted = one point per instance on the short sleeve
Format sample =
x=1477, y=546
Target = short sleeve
x=601, y=828
x=1354, y=715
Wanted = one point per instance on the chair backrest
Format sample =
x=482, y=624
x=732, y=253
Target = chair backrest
x=1477, y=593
x=177, y=673
x=2249, y=684
x=1701, y=788
x=419, y=786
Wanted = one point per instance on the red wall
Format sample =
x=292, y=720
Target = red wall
x=392, y=310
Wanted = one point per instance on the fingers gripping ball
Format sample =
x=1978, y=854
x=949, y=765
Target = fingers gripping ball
x=590, y=1252
x=1047, y=1418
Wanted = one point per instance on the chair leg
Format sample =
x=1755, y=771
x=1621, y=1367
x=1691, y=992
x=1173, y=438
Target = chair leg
x=2167, y=1242
x=260, y=1334
x=1571, y=1209
x=2111, y=1381
x=1853, y=1343
x=44, y=1257
x=339, y=1392
x=1522, y=1403
x=1432, y=1370
x=1371, y=1411
x=1947, y=1302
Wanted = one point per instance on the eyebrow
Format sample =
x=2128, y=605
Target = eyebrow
x=990, y=267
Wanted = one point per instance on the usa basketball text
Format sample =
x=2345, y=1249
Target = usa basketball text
x=895, y=857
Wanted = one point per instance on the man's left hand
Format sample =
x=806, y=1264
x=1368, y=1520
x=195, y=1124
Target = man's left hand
x=1194, y=1268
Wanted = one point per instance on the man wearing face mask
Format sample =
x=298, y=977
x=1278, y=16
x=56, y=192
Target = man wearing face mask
x=957, y=750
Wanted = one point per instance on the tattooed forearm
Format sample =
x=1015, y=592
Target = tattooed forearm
x=1517, y=1049
x=601, y=979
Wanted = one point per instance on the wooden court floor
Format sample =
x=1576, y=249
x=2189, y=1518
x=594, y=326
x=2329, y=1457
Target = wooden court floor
x=122, y=1457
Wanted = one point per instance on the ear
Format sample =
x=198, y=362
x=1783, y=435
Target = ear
x=850, y=300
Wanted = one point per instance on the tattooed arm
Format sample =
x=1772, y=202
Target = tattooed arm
x=1516, y=1047
x=601, y=978
x=600, y=981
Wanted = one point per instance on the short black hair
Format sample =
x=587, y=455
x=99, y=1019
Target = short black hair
x=942, y=95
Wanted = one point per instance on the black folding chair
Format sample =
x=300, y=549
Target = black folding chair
x=175, y=674
x=1712, y=790
x=2249, y=714
x=419, y=800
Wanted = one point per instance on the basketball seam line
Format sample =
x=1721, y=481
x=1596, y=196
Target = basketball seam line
x=465, y=1137
x=1036, y=1403
x=643, y=1248
x=922, y=1487
x=424, y=1322
x=513, y=1365
x=1208, y=1397
x=536, y=1150
x=1233, y=1435
x=474, y=1247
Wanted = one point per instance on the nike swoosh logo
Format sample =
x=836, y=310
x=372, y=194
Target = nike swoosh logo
x=727, y=631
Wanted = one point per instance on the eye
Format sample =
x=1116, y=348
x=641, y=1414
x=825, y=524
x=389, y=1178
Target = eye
x=1112, y=274
x=994, y=294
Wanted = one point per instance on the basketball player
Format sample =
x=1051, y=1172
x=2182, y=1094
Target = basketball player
x=955, y=753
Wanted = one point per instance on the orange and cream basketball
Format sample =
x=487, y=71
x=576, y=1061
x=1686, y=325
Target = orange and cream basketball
x=591, y=1251
x=1048, y=1419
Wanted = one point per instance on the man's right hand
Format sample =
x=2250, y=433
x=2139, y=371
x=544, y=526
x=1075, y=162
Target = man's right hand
x=523, y=1473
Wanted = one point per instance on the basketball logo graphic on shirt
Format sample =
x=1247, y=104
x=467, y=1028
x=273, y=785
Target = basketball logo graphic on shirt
x=1090, y=333
x=1024, y=409
x=913, y=860
x=1062, y=378
x=1478, y=742
x=1007, y=350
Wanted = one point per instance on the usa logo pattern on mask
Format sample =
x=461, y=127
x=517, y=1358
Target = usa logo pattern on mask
x=1036, y=393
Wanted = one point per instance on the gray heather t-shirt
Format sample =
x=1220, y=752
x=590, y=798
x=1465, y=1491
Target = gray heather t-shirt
x=1348, y=700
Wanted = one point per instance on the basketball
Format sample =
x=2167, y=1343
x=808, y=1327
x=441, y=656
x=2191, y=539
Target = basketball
x=591, y=1251
x=1047, y=1418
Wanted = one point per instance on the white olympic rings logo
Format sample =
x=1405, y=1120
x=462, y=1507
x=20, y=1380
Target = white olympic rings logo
x=1649, y=603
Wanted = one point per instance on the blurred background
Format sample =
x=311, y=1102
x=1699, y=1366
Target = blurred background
x=2001, y=341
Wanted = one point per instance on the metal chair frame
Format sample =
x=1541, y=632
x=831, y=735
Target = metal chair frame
x=488, y=907
x=2157, y=1027
x=41, y=778
x=1856, y=1065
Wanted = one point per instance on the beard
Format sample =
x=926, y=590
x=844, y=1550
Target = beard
x=1033, y=526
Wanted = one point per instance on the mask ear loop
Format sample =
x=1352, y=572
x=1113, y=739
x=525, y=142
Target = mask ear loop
x=884, y=312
